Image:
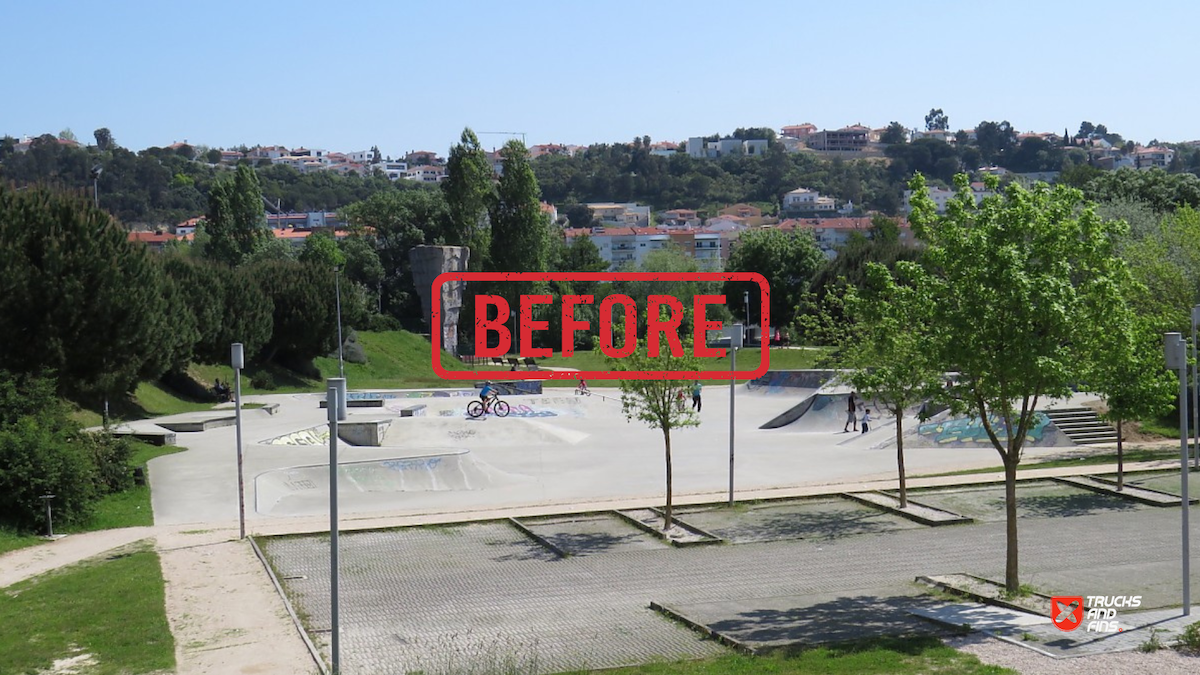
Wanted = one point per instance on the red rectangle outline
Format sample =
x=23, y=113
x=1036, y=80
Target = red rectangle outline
x=436, y=334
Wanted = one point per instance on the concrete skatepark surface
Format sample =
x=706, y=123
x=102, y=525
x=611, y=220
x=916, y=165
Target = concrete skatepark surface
x=556, y=448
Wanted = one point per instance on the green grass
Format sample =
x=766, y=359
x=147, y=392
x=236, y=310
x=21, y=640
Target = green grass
x=1130, y=455
x=893, y=656
x=130, y=508
x=395, y=360
x=111, y=608
x=11, y=540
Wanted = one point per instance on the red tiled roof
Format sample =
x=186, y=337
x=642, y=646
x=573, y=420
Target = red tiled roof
x=152, y=237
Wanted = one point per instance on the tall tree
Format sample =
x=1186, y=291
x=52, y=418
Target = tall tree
x=1128, y=374
x=887, y=356
x=469, y=189
x=895, y=133
x=236, y=222
x=1012, y=286
x=520, y=231
x=936, y=119
x=789, y=261
x=659, y=404
x=77, y=298
x=104, y=139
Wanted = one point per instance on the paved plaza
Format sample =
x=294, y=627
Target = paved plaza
x=414, y=598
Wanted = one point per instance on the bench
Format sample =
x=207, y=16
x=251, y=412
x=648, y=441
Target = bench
x=530, y=364
x=417, y=410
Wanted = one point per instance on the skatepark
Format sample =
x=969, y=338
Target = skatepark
x=418, y=451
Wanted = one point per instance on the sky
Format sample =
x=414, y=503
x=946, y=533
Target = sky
x=408, y=75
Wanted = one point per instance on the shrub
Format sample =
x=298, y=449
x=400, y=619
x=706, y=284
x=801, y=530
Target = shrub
x=111, y=455
x=263, y=380
x=36, y=459
x=382, y=322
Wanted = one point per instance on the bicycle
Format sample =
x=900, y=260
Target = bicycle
x=478, y=409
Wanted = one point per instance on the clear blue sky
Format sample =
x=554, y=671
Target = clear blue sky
x=408, y=75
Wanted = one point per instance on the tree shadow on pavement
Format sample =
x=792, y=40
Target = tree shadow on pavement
x=590, y=543
x=835, y=620
x=1068, y=505
x=829, y=523
x=522, y=549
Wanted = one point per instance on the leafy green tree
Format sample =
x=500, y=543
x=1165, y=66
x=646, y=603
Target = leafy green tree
x=520, y=231
x=1128, y=374
x=895, y=133
x=248, y=315
x=213, y=156
x=321, y=249
x=236, y=222
x=1012, y=286
x=994, y=140
x=304, y=321
x=1156, y=188
x=1163, y=255
x=788, y=260
x=104, y=139
x=936, y=120
x=887, y=355
x=399, y=221
x=363, y=266
x=78, y=299
x=659, y=404
x=469, y=189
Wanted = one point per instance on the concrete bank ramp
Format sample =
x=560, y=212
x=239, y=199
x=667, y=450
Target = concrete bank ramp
x=288, y=490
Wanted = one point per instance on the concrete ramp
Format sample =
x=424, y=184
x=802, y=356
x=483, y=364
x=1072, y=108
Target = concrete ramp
x=289, y=490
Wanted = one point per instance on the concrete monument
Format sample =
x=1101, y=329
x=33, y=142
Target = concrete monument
x=427, y=263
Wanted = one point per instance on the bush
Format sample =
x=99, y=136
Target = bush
x=379, y=323
x=111, y=455
x=36, y=459
x=263, y=380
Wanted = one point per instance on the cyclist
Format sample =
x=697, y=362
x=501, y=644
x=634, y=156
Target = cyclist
x=486, y=394
x=582, y=388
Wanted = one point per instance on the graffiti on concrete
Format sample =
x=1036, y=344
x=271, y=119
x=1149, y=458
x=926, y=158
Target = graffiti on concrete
x=970, y=430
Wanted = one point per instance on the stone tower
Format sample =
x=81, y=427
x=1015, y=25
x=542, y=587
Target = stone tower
x=427, y=263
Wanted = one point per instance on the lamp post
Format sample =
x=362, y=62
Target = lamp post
x=1195, y=392
x=237, y=359
x=735, y=342
x=337, y=285
x=746, y=306
x=516, y=336
x=1176, y=356
x=331, y=396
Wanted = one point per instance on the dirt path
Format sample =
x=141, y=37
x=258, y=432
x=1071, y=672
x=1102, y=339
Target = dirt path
x=224, y=612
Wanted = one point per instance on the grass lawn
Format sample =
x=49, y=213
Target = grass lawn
x=130, y=508
x=891, y=656
x=11, y=540
x=110, y=608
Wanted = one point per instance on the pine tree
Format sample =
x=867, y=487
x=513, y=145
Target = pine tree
x=469, y=189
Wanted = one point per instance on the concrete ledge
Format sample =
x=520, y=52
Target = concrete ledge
x=199, y=424
x=916, y=512
x=702, y=538
x=358, y=403
x=542, y=541
x=707, y=632
x=413, y=410
x=363, y=432
x=960, y=584
x=1138, y=494
x=270, y=408
x=151, y=437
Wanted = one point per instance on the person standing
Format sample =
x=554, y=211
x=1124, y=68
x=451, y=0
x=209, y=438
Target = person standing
x=866, y=421
x=696, y=396
x=851, y=413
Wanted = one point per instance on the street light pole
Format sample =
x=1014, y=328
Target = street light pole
x=338, y=289
x=1195, y=392
x=1176, y=356
x=735, y=341
x=331, y=397
x=746, y=307
x=238, y=360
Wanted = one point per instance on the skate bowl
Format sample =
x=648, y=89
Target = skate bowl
x=945, y=431
x=297, y=489
x=820, y=412
x=787, y=382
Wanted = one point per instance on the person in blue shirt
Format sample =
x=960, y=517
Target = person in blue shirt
x=487, y=391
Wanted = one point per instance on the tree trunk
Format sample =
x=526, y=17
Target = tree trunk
x=1012, y=581
x=667, y=511
x=900, y=457
x=1120, y=456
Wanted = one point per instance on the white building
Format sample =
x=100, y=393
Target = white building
x=803, y=200
x=698, y=148
x=621, y=215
